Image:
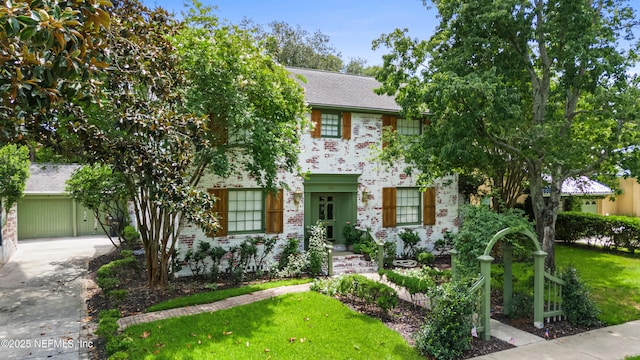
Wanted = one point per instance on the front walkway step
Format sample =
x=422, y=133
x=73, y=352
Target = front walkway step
x=125, y=322
x=350, y=263
x=512, y=335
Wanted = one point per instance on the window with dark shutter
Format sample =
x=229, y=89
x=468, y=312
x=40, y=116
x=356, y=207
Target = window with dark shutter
x=316, y=121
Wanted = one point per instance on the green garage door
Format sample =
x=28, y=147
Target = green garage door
x=53, y=216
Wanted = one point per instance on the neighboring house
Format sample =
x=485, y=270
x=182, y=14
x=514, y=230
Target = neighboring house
x=590, y=193
x=345, y=183
x=627, y=203
x=47, y=210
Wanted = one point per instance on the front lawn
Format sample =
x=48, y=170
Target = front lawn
x=613, y=278
x=293, y=326
x=217, y=295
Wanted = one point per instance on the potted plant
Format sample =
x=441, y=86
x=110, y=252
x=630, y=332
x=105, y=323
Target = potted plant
x=352, y=236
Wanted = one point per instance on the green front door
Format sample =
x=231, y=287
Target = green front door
x=334, y=210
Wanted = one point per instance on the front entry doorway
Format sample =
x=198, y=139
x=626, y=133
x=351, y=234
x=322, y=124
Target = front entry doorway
x=331, y=209
x=331, y=199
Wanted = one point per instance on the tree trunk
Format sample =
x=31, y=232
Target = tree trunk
x=546, y=213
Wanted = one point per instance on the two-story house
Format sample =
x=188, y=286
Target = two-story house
x=345, y=182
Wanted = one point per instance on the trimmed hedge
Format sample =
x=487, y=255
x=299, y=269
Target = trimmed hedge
x=615, y=231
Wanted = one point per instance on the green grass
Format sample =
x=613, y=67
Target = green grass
x=293, y=326
x=613, y=278
x=217, y=295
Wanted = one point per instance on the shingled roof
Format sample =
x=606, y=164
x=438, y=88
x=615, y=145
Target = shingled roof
x=48, y=178
x=343, y=91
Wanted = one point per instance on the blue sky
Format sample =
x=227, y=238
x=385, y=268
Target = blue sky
x=351, y=24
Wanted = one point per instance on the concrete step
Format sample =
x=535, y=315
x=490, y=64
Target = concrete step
x=350, y=263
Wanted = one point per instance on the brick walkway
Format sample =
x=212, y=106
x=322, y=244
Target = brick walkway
x=125, y=322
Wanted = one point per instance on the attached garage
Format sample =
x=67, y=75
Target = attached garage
x=46, y=211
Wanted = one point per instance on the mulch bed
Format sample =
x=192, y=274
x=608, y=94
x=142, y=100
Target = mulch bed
x=405, y=319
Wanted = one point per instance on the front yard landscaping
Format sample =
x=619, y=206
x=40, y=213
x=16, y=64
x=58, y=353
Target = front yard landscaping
x=311, y=325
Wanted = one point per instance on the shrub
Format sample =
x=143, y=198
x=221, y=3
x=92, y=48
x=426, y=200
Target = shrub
x=409, y=240
x=108, y=275
x=351, y=234
x=416, y=282
x=443, y=245
x=317, y=253
x=131, y=237
x=425, y=258
x=615, y=231
x=389, y=253
x=447, y=330
x=577, y=303
x=372, y=292
x=479, y=225
x=108, y=330
x=290, y=248
x=521, y=306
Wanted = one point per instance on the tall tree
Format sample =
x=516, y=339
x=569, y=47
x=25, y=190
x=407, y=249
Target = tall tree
x=545, y=83
x=178, y=93
x=295, y=46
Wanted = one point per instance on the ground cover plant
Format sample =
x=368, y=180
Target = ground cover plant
x=294, y=326
x=217, y=295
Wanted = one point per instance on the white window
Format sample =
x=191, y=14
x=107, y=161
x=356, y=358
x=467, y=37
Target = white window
x=245, y=211
x=408, y=127
x=407, y=206
x=330, y=125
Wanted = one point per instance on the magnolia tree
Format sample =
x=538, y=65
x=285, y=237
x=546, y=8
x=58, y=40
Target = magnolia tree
x=541, y=85
x=178, y=92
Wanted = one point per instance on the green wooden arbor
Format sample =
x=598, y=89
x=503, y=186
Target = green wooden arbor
x=485, y=279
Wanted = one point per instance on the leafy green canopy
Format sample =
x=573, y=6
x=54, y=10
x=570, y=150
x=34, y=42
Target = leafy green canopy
x=540, y=86
x=48, y=52
x=14, y=171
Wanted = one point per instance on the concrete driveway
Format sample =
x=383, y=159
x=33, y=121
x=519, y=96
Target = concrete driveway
x=41, y=302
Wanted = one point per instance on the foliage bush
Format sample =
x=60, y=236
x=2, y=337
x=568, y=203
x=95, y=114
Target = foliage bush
x=479, y=225
x=351, y=234
x=425, y=258
x=131, y=237
x=317, y=252
x=409, y=240
x=446, y=333
x=389, y=253
x=290, y=248
x=108, y=276
x=108, y=330
x=372, y=292
x=443, y=245
x=416, y=282
x=613, y=231
x=521, y=306
x=577, y=303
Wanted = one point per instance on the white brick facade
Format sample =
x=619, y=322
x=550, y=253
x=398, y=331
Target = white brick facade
x=341, y=156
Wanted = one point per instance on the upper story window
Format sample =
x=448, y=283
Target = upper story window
x=331, y=124
x=409, y=127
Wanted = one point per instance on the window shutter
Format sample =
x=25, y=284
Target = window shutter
x=275, y=212
x=388, y=207
x=219, y=130
x=429, y=206
x=220, y=207
x=426, y=122
x=316, y=121
x=346, y=125
x=389, y=120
